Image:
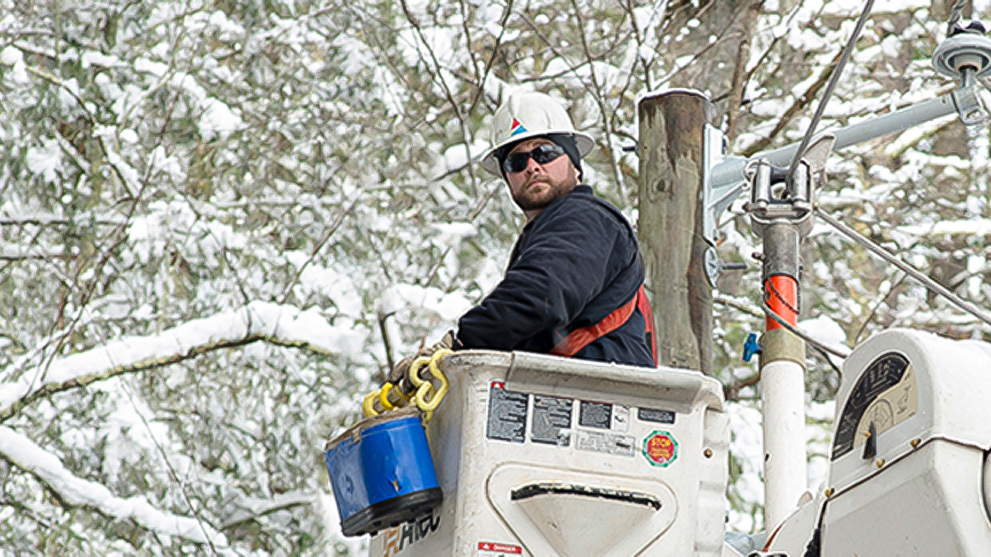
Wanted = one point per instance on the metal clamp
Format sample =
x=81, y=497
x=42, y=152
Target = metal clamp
x=969, y=105
x=773, y=196
x=966, y=56
x=777, y=194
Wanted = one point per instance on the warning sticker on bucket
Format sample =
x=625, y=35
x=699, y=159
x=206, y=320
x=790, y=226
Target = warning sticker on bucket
x=551, y=420
x=490, y=549
x=660, y=448
x=603, y=442
x=655, y=415
x=602, y=415
x=507, y=414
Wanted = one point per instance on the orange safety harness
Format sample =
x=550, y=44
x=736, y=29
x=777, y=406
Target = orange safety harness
x=580, y=338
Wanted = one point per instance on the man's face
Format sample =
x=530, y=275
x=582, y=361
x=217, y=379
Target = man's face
x=537, y=185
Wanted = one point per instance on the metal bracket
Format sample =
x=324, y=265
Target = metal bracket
x=712, y=266
x=965, y=56
x=969, y=106
x=775, y=195
x=715, y=199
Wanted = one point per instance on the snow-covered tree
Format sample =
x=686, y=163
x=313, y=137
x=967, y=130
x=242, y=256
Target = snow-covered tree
x=222, y=222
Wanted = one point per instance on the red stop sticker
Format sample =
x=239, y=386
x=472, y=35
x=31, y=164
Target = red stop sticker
x=660, y=448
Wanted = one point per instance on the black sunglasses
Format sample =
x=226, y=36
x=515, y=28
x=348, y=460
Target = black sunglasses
x=542, y=155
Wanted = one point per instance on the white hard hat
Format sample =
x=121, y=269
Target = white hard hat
x=528, y=115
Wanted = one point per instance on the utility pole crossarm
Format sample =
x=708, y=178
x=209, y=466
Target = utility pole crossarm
x=727, y=178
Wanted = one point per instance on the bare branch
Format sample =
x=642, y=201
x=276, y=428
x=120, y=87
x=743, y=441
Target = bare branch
x=316, y=249
x=739, y=82
x=797, y=107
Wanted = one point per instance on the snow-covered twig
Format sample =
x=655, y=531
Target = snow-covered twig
x=17, y=253
x=74, y=491
x=330, y=232
x=278, y=324
x=255, y=508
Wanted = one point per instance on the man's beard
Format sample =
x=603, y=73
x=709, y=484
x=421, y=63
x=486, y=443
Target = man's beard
x=528, y=200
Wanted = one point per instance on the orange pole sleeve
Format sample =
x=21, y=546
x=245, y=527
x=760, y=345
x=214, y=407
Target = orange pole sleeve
x=781, y=293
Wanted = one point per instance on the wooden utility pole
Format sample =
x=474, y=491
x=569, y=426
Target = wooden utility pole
x=672, y=136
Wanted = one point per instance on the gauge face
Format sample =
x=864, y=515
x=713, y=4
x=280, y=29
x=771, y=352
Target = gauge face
x=884, y=395
x=881, y=414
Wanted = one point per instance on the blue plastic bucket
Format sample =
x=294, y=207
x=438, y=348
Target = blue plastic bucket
x=382, y=473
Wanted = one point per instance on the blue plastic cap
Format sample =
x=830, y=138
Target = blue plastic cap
x=751, y=347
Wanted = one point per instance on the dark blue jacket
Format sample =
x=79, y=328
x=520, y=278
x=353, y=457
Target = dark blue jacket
x=573, y=265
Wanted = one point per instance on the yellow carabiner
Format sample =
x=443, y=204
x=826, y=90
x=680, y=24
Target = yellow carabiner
x=401, y=399
x=414, y=370
x=423, y=394
x=423, y=387
x=368, y=406
x=384, y=397
x=434, y=401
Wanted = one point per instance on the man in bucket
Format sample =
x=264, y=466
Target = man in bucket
x=574, y=284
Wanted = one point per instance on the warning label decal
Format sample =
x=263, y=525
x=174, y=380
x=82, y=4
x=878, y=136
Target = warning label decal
x=656, y=416
x=660, y=448
x=602, y=442
x=489, y=549
x=507, y=414
x=551, y=420
x=602, y=415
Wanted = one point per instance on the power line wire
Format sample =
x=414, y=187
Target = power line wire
x=876, y=249
x=802, y=334
x=955, y=15
x=833, y=80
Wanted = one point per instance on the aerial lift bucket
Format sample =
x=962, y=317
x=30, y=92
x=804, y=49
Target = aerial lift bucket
x=540, y=455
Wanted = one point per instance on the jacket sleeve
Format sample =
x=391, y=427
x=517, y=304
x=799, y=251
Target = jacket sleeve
x=567, y=260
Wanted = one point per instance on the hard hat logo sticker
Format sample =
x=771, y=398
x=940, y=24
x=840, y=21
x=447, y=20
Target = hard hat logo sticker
x=660, y=448
x=517, y=128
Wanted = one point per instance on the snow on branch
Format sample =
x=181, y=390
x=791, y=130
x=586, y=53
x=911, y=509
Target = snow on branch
x=75, y=491
x=968, y=227
x=254, y=508
x=280, y=324
x=15, y=253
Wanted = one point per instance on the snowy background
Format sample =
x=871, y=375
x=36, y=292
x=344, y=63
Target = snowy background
x=223, y=221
